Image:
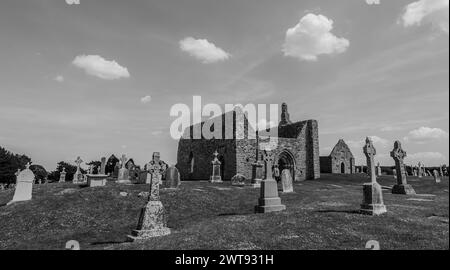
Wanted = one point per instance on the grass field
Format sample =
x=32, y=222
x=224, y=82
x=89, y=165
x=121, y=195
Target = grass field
x=321, y=214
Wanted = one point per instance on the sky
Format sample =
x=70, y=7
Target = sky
x=94, y=78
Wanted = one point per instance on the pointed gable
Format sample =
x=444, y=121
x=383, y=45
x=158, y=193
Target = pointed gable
x=341, y=146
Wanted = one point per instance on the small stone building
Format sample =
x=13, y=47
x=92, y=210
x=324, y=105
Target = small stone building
x=297, y=150
x=340, y=161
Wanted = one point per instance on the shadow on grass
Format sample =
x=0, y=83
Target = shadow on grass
x=340, y=211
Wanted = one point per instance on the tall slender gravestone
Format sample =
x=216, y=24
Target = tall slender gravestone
x=103, y=167
x=441, y=171
x=402, y=187
x=373, y=203
x=216, y=176
x=257, y=167
x=24, y=186
x=420, y=170
x=286, y=181
x=124, y=174
x=153, y=220
x=269, y=200
x=78, y=176
x=62, y=176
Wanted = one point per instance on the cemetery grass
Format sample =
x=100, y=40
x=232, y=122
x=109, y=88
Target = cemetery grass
x=321, y=214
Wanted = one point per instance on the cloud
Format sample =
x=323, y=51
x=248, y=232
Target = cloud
x=146, y=99
x=434, y=12
x=429, y=158
x=59, y=78
x=426, y=134
x=373, y=2
x=97, y=66
x=73, y=2
x=203, y=50
x=312, y=37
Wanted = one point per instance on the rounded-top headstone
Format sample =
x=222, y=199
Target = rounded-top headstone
x=172, y=177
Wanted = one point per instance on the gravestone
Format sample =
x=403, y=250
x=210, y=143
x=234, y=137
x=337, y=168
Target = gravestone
x=78, y=177
x=441, y=171
x=24, y=186
x=238, y=180
x=402, y=187
x=286, y=181
x=216, y=176
x=157, y=168
x=172, y=179
x=378, y=169
x=437, y=178
x=62, y=176
x=103, y=167
x=96, y=180
x=257, y=173
x=269, y=200
x=373, y=203
x=152, y=220
x=420, y=170
x=116, y=170
x=124, y=174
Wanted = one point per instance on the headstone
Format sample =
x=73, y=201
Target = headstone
x=96, y=180
x=124, y=174
x=402, y=187
x=62, y=176
x=419, y=170
x=373, y=203
x=78, y=177
x=103, y=167
x=286, y=181
x=437, y=178
x=269, y=200
x=441, y=171
x=257, y=173
x=152, y=220
x=238, y=180
x=216, y=176
x=116, y=170
x=157, y=168
x=172, y=179
x=378, y=169
x=24, y=186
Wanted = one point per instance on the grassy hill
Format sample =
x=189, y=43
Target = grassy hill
x=320, y=214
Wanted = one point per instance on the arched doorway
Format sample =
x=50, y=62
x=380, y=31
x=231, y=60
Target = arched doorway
x=286, y=161
x=342, y=168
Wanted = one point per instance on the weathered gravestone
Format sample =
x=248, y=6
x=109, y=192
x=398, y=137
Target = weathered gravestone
x=172, y=179
x=216, y=176
x=103, y=167
x=257, y=173
x=116, y=170
x=78, y=177
x=420, y=171
x=238, y=180
x=157, y=168
x=269, y=200
x=24, y=186
x=286, y=181
x=62, y=176
x=124, y=174
x=402, y=187
x=373, y=203
x=152, y=220
x=437, y=178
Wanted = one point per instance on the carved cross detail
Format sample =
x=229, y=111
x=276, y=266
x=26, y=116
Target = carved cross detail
x=370, y=152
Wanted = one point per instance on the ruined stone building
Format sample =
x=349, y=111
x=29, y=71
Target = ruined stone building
x=340, y=161
x=297, y=150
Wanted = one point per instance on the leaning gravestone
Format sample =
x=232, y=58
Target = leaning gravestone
x=286, y=181
x=172, y=179
x=24, y=186
x=373, y=203
x=402, y=187
x=152, y=220
x=269, y=201
x=238, y=180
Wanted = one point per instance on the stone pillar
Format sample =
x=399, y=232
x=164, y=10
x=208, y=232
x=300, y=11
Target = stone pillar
x=269, y=200
x=152, y=220
x=216, y=176
x=373, y=203
x=402, y=187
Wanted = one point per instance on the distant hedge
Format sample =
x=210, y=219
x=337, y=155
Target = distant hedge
x=9, y=163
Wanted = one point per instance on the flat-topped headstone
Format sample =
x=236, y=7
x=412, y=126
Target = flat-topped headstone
x=286, y=181
x=373, y=203
x=269, y=200
x=216, y=176
x=402, y=187
x=152, y=220
x=238, y=180
x=24, y=186
x=172, y=179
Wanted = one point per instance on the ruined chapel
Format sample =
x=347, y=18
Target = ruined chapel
x=297, y=150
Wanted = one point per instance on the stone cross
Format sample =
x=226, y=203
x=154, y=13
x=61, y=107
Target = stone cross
x=123, y=160
x=268, y=159
x=370, y=152
x=216, y=175
x=398, y=154
x=78, y=162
